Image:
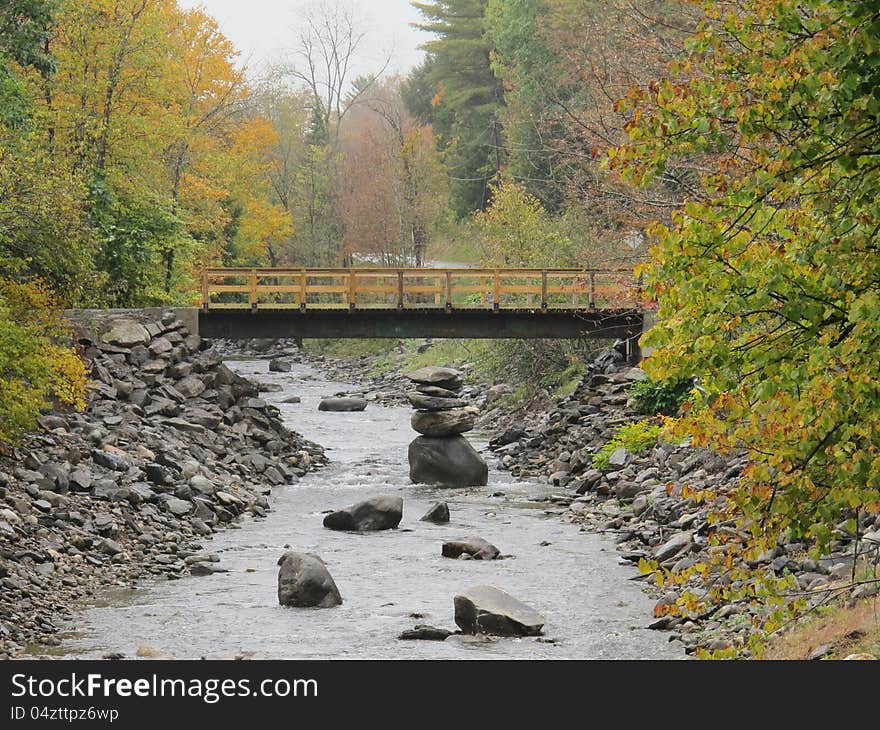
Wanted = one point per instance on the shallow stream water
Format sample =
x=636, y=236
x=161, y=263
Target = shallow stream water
x=593, y=611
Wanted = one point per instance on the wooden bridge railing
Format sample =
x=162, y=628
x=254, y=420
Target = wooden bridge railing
x=414, y=288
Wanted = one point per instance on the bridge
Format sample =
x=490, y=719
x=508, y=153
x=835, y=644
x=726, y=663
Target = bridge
x=491, y=303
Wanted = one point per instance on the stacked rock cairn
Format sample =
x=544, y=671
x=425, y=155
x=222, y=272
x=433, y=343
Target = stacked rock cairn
x=441, y=455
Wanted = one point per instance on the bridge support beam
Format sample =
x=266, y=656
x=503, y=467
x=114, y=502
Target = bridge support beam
x=384, y=323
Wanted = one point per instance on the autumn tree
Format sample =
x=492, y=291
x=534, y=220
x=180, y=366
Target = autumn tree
x=768, y=277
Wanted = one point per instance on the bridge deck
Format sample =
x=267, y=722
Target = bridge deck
x=417, y=288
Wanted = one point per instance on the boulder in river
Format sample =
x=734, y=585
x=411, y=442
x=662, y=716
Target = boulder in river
x=305, y=582
x=476, y=547
x=442, y=423
x=342, y=404
x=448, y=378
x=438, y=513
x=449, y=462
x=489, y=610
x=378, y=513
x=422, y=632
x=277, y=365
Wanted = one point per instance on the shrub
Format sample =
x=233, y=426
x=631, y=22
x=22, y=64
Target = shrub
x=662, y=397
x=635, y=437
x=37, y=367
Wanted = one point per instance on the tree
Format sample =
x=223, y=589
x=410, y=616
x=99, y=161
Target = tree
x=24, y=42
x=768, y=277
x=467, y=98
x=517, y=232
x=37, y=368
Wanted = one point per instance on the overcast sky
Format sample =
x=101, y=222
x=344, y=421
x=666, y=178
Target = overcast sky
x=264, y=29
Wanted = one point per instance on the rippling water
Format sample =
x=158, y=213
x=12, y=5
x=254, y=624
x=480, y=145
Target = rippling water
x=592, y=610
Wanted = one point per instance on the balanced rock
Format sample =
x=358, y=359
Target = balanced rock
x=433, y=390
x=438, y=513
x=450, y=462
x=476, y=547
x=378, y=513
x=343, y=404
x=305, y=582
x=489, y=610
x=448, y=378
x=442, y=423
x=434, y=403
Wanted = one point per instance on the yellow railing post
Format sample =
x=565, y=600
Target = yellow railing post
x=544, y=290
x=399, y=289
x=252, y=289
x=206, y=297
x=448, y=291
x=496, y=290
x=352, y=290
x=303, y=290
x=592, y=290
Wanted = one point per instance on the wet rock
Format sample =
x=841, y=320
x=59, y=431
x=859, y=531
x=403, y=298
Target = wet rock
x=279, y=366
x=489, y=610
x=434, y=391
x=304, y=581
x=439, y=424
x=291, y=399
x=342, y=404
x=438, y=513
x=446, y=462
x=513, y=434
x=476, y=547
x=378, y=513
x=110, y=460
x=423, y=632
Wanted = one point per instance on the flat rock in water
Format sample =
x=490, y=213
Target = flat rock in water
x=305, y=582
x=489, y=610
x=291, y=399
x=342, y=404
x=449, y=462
x=476, y=547
x=434, y=403
x=442, y=423
x=438, y=513
x=423, y=632
x=378, y=513
x=279, y=366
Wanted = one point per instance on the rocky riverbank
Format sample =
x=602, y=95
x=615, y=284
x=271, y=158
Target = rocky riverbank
x=172, y=446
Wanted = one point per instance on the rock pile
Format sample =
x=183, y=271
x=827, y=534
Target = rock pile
x=639, y=500
x=172, y=446
x=441, y=455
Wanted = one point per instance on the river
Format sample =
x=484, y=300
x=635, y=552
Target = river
x=593, y=611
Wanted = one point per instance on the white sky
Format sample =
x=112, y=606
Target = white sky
x=263, y=30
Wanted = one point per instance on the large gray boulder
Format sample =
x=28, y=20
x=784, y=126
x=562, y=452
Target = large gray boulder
x=450, y=462
x=442, y=423
x=476, y=547
x=378, y=513
x=305, y=582
x=127, y=333
x=489, y=610
x=434, y=403
x=277, y=365
x=448, y=378
x=342, y=404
